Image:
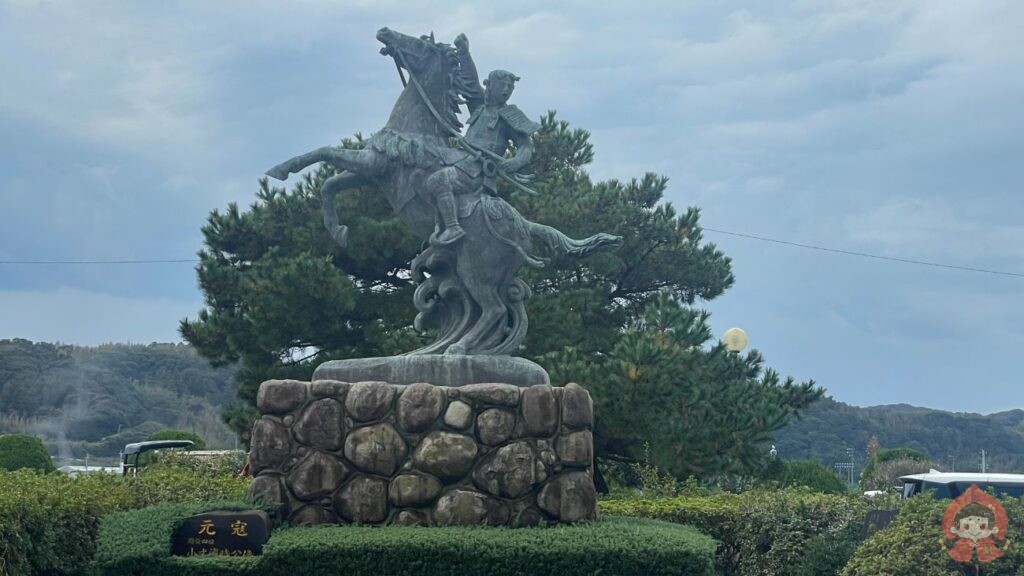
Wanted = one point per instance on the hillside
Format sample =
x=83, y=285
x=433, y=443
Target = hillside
x=954, y=440
x=95, y=399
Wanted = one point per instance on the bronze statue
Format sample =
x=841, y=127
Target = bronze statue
x=467, y=276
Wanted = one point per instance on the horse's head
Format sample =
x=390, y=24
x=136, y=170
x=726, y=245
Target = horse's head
x=432, y=67
x=414, y=54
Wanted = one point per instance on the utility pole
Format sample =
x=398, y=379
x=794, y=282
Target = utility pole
x=846, y=468
x=849, y=458
x=983, y=461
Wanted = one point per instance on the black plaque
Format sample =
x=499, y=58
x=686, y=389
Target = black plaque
x=222, y=533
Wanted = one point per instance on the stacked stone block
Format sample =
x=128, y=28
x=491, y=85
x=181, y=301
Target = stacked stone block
x=379, y=453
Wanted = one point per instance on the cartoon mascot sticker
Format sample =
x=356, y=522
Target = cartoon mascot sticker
x=972, y=523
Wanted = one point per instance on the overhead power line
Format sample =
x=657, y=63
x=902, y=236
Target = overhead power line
x=864, y=254
x=715, y=230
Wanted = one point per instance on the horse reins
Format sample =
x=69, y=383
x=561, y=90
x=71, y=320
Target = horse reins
x=400, y=73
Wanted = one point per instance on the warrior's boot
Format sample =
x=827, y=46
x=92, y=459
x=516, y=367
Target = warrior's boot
x=452, y=231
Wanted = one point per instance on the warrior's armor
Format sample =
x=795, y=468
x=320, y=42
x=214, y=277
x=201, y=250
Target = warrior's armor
x=492, y=125
x=491, y=128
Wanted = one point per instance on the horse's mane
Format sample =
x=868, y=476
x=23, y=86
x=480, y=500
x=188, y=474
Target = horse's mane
x=455, y=83
x=451, y=99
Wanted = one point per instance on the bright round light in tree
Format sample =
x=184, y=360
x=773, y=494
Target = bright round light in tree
x=735, y=339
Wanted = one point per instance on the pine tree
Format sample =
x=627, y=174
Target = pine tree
x=622, y=323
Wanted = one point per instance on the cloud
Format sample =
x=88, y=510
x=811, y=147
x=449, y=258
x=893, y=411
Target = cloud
x=107, y=81
x=879, y=126
x=920, y=227
x=75, y=316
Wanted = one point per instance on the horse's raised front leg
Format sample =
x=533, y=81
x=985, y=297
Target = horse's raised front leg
x=329, y=190
x=366, y=162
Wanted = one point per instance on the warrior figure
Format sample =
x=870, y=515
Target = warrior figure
x=493, y=123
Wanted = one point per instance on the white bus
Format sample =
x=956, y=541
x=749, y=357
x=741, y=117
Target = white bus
x=953, y=484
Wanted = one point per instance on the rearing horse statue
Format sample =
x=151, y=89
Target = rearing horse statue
x=469, y=289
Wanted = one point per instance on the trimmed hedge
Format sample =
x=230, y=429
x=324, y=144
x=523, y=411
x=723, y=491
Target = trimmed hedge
x=714, y=515
x=139, y=540
x=49, y=522
x=764, y=532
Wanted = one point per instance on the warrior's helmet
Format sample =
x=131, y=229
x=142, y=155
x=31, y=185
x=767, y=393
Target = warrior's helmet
x=501, y=74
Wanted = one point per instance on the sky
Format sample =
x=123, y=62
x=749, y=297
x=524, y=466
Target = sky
x=891, y=128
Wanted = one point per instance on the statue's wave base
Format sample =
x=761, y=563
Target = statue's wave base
x=438, y=369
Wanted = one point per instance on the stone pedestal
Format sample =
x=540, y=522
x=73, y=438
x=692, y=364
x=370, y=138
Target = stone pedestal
x=376, y=453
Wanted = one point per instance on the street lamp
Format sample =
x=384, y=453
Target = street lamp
x=735, y=339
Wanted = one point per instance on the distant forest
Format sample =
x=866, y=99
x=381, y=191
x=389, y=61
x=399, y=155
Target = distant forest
x=953, y=440
x=93, y=400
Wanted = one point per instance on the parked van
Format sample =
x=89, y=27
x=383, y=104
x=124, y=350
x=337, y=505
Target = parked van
x=952, y=484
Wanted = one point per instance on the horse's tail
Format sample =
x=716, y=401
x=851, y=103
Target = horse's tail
x=579, y=248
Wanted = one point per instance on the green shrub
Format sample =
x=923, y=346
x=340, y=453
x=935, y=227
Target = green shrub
x=212, y=464
x=886, y=475
x=806, y=473
x=715, y=515
x=653, y=481
x=765, y=532
x=887, y=454
x=139, y=540
x=19, y=451
x=910, y=546
x=48, y=522
x=884, y=468
x=184, y=485
x=826, y=553
x=776, y=527
x=812, y=475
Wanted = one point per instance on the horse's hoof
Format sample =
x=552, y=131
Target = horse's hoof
x=448, y=237
x=278, y=173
